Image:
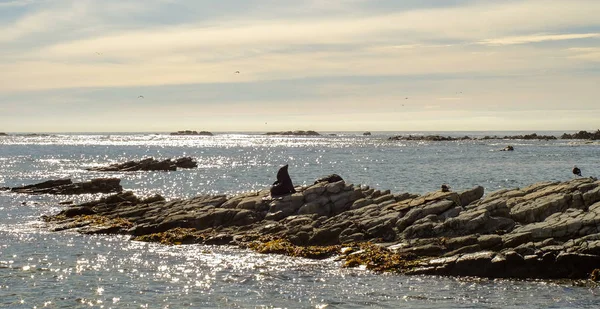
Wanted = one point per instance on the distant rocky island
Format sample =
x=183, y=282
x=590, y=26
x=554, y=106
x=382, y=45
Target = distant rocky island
x=295, y=133
x=533, y=136
x=3, y=134
x=190, y=132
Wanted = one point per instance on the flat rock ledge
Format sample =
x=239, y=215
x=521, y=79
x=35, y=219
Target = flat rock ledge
x=549, y=230
x=67, y=187
x=149, y=164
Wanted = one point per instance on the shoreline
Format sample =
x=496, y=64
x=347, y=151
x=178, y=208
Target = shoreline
x=548, y=230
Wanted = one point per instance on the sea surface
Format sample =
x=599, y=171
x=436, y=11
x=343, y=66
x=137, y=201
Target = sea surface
x=42, y=269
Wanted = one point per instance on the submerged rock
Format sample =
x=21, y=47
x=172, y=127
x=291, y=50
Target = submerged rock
x=149, y=164
x=546, y=230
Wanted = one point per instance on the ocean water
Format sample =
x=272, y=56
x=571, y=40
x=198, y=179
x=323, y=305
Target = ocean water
x=42, y=269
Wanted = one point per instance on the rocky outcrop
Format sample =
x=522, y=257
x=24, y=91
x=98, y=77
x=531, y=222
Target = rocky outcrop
x=546, y=230
x=67, y=187
x=429, y=138
x=3, y=134
x=582, y=135
x=190, y=132
x=295, y=133
x=439, y=138
x=149, y=164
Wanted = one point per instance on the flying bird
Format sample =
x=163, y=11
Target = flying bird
x=576, y=171
x=237, y=72
x=140, y=97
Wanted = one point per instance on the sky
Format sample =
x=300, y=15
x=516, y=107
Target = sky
x=345, y=65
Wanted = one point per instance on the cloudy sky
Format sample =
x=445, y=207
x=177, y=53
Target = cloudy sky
x=378, y=65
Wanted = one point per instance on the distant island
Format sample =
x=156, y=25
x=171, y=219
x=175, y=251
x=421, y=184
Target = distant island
x=190, y=132
x=3, y=134
x=295, y=133
x=534, y=136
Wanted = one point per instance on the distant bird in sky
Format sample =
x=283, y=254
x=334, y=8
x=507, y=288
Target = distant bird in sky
x=237, y=72
x=98, y=53
x=576, y=171
x=140, y=97
x=406, y=98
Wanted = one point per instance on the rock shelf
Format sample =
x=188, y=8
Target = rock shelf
x=548, y=230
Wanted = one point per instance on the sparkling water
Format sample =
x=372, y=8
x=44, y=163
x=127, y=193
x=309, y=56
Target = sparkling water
x=42, y=269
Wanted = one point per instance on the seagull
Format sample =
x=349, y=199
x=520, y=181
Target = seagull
x=576, y=171
x=141, y=96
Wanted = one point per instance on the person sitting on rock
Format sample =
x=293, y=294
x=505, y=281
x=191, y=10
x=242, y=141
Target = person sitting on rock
x=283, y=185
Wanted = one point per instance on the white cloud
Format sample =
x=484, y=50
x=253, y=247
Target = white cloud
x=537, y=38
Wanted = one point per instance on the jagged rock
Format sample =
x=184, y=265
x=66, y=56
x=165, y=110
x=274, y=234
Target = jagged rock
x=149, y=164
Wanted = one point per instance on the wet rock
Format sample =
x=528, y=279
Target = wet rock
x=149, y=164
x=67, y=187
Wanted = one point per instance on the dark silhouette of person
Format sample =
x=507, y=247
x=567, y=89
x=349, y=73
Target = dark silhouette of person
x=576, y=171
x=283, y=185
x=445, y=188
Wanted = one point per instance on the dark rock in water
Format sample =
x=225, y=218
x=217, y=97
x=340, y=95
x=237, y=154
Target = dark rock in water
x=330, y=178
x=190, y=132
x=3, y=134
x=508, y=148
x=367, y=133
x=283, y=185
x=294, y=133
x=67, y=187
x=429, y=138
x=149, y=164
x=44, y=185
x=582, y=135
x=186, y=162
x=545, y=230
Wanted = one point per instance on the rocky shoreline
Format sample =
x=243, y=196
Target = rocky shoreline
x=549, y=230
